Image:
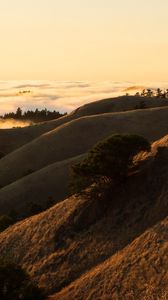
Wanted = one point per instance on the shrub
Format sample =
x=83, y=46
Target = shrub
x=109, y=160
x=15, y=283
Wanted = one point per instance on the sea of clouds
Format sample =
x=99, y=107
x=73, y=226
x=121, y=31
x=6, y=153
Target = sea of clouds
x=64, y=96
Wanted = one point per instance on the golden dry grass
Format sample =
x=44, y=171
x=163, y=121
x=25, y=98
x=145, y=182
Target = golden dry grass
x=33, y=244
x=139, y=271
x=79, y=243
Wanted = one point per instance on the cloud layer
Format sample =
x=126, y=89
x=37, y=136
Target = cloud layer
x=62, y=96
x=11, y=123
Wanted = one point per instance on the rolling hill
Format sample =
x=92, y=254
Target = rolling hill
x=77, y=136
x=84, y=248
x=139, y=271
x=47, y=186
x=11, y=139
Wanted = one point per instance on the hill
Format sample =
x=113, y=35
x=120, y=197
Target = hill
x=120, y=104
x=45, y=187
x=11, y=139
x=63, y=142
x=139, y=271
x=89, y=246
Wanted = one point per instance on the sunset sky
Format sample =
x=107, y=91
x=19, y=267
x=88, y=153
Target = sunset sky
x=119, y=40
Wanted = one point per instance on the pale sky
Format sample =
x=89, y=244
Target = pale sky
x=84, y=40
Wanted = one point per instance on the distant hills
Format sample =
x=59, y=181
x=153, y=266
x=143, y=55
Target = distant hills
x=79, y=248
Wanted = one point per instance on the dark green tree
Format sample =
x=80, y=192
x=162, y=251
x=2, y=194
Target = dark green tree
x=110, y=160
x=19, y=113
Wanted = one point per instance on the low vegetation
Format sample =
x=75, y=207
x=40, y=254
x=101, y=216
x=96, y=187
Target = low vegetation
x=15, y=283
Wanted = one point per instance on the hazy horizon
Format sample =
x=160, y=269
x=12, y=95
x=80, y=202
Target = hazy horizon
x=63, y=54
x=94, y=40
x=63, y=96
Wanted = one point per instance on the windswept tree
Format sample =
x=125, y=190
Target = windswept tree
x=110, y=160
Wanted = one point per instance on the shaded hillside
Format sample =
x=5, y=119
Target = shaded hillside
x=60, y=245
x=77, y=137
x=11, y=139
x=44, y=187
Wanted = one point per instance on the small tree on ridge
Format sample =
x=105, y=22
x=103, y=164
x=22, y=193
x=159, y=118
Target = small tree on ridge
x=109, y=160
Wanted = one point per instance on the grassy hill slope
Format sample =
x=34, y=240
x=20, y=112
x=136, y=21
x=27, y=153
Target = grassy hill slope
x=65, y=242
x=138, y=272
x=11, y=139
x=47, y=186
x=119, y=104
x=76, y=137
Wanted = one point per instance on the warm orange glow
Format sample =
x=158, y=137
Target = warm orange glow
x=84, y=40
